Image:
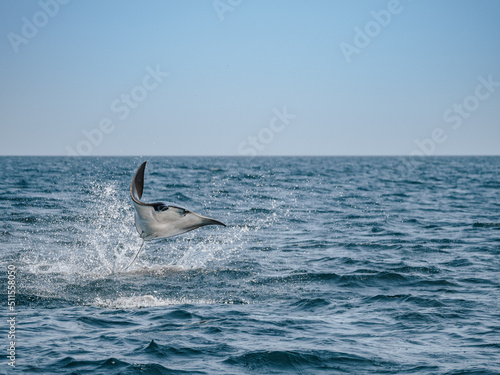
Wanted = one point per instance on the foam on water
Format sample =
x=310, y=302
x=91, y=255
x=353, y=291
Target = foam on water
x=135, y=302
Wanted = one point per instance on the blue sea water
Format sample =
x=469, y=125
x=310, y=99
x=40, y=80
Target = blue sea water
x=328, y=265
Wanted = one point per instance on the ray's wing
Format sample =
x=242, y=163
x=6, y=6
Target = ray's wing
x=176, y=220
x=143, y=211
x=159, y=220
x=137, y=185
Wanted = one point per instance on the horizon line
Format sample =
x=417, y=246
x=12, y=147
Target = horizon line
x=251, y=157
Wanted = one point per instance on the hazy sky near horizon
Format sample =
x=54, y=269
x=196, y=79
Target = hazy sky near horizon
x=241, y=77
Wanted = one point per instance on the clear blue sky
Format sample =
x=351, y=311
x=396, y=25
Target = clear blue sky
x=233, y=65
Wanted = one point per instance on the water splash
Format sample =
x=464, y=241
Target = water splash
x=82, y=242
x=73, y=255
x=111, y=236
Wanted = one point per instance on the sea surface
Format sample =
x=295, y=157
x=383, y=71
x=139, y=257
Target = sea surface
x=328, y=265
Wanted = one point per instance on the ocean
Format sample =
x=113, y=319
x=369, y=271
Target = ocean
x=328, y=265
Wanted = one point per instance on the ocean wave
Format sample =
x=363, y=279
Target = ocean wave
x=108, y=366
x=283, y=361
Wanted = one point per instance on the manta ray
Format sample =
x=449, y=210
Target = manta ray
x=161, y=219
